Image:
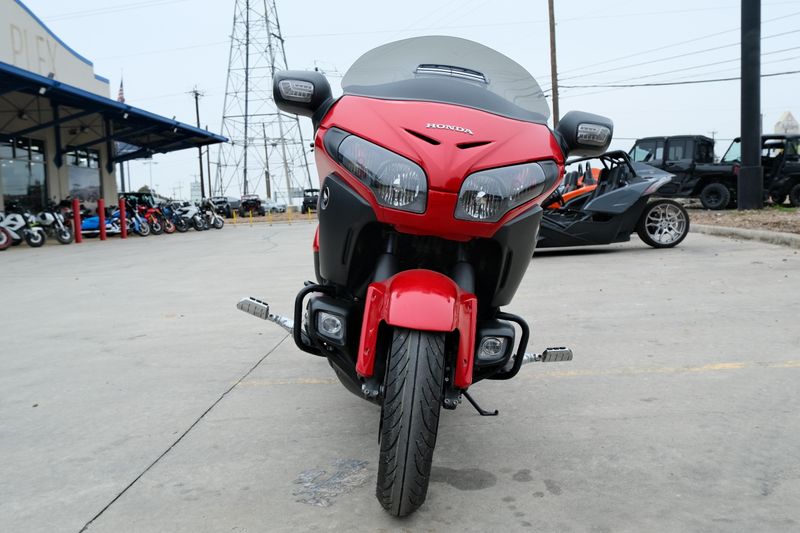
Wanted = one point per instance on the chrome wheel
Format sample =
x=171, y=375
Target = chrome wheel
x=663, y=224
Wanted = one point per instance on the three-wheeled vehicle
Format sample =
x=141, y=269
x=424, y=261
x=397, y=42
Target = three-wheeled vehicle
x=609, y=208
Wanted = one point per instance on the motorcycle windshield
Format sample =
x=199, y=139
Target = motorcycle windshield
x=448, y=70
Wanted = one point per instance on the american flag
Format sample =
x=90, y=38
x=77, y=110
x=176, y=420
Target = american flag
x=121, y=93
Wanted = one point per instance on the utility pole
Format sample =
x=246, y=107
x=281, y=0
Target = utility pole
x=197, y=94
x=208, y=162
x=266, y=162
x=751, y=174
x=553, y=66
x=122, y=176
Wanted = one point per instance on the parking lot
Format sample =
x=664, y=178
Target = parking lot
x=135, y=397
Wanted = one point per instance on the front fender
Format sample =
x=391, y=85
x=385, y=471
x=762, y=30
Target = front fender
x=421, y=300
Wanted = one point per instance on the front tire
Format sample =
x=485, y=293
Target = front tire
x=715, y=196
x=663, y=224
x=144, y=229
x=156, y=227
x=169, y=226
x=5, y=239
x=34, y=238
x=64, y=235
x=218, y=222
x=794, y=195
x=410, y=419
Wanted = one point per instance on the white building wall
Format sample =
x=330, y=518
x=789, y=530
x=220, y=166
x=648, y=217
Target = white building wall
x=27, y=43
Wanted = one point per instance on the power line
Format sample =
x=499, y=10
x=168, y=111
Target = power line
x=677, y=56
x=685, y=82
x=112, y=9
x=715, y=63
x=673, y=45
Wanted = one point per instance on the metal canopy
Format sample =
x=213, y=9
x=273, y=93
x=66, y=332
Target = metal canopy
x=145, y=133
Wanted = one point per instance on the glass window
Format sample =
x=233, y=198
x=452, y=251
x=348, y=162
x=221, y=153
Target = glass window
x=734, y=153
x=649, y=151
x=22, y=172
x=680, y=150
x=83, y=170
x=705, y=153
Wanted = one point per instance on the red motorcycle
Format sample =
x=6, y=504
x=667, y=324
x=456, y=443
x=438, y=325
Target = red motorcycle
x=433, y=165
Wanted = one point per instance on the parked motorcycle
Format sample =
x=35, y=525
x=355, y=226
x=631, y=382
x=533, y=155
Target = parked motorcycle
x=171, y=214
x=53, y=221
x=21, y=225
x=5, y=239
x=191, y=214
x=212, y=218
x=90, y=223
x=136, y=221
x=433, y=167
x=612, y=207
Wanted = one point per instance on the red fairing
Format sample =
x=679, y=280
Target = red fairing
x=390, y=123
x=315, y=244
x=420, y=300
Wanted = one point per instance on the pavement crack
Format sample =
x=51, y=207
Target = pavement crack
x=180, y=438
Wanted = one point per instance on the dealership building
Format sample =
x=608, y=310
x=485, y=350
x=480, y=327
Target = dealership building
x=60, y=133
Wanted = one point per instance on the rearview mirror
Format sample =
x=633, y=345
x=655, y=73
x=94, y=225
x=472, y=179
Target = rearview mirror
x=301, y=92
x=584, y=134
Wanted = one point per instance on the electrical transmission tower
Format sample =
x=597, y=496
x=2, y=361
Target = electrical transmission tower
x=266, y=152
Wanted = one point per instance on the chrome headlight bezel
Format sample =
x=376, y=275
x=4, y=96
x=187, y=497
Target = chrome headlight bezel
x=395, y=181
x=488, y=195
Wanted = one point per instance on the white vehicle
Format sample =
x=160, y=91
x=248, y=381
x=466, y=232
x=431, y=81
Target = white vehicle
x=22, y=225
x=52, y=220
x=211, y=217
x=193, y=216
x=270, y=206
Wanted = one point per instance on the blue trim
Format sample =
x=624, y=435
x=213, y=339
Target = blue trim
x=33, y=81
x=98, y=77
x=53, y=35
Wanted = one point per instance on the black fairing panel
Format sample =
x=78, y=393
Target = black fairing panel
x=586, y=229
x=341, y=223
x=516, y=241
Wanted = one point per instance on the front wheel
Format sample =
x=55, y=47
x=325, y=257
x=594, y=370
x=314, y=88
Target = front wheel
x=715, y=196
x=413, y=393
x=156, y=227
x=144, y=228
x=5, y=239
x=219, y=222
x=664, y=224
x=64, y=235
x=794, y=195
x=181, y=225
x=169, y=227
x=34, y=238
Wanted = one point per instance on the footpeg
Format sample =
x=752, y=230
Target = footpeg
x=550, y=355
x=260, y=309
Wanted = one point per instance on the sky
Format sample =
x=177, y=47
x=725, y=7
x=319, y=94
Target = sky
x=165, y=48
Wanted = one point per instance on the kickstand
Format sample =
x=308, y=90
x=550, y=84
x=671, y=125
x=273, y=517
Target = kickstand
x=478, y=407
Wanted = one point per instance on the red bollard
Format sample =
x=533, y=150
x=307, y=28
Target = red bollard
x=76, y=220
x=101, y=212
x=123, y=221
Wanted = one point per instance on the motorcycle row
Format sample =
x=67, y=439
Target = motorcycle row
x=18, y=224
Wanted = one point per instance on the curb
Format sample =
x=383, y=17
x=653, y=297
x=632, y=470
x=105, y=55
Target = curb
x=771, y=237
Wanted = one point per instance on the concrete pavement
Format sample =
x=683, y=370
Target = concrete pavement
x=134, y=397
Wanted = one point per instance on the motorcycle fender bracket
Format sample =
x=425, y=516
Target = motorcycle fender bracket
x=421, y=300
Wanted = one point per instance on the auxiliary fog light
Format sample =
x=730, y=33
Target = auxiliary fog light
x=332, y=326
x=492, y=348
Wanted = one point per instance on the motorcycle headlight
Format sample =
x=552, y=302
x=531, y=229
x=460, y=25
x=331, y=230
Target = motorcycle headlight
x=395, y=181
x=489, y=194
